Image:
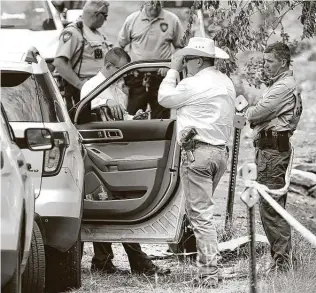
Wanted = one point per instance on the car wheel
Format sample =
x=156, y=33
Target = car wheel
x=63, y=269
x=14, y=285
x=33, y=278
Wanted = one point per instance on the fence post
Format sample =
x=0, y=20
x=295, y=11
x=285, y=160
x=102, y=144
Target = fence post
x=252, y=246
x=239, y=123
x=250, y=197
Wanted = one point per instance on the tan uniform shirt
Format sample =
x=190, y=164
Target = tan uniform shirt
x=151, y=39
x=280, y=107
x=95, y=48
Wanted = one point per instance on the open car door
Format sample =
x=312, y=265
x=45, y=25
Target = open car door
x=135, y=163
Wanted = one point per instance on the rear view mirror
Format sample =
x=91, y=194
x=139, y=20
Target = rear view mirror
x=39, y=139
x=241, y=103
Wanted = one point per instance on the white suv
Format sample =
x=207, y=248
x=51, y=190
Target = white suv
x=31, y=99
x=30, y=23
x=22, y=248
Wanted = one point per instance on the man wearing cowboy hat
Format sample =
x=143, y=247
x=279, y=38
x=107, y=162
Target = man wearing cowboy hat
x=204, y=101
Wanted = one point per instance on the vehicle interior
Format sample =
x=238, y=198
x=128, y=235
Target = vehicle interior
x=131, y=166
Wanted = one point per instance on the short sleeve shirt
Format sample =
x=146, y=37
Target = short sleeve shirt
x=151, y=39
x=95, y=47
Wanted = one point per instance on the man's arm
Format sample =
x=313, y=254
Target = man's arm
x=171, y=95
x=69, y=44
x=123, y=38
x=178, y=35
x=64, y=68
x=270, y=106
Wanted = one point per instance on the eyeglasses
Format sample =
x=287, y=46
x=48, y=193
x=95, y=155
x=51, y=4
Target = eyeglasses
x=153, y=3
x=188, y=58
x=105, y=15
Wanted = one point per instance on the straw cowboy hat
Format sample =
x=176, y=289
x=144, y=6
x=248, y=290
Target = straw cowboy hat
x=203, y=47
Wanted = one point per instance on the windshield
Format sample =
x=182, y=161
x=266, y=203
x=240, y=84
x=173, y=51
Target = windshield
x=31, y=15
x=29, y=98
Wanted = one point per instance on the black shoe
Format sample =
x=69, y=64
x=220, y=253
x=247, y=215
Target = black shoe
x=149, y=269
x=107, y=268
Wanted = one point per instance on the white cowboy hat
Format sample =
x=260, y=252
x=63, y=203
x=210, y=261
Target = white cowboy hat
x=203, y=47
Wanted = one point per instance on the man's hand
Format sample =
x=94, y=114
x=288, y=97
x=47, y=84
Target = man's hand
x=177, y=63
x=162, y=71
x=117, y=110
x=141, y=115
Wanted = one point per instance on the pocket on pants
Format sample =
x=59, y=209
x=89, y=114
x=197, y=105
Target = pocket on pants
x=261, y=161
x=183, y=164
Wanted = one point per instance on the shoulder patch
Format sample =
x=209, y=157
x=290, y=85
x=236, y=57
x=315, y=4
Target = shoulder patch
x=66, y=36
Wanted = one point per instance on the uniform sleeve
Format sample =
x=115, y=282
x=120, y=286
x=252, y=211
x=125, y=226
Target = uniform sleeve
x=171, y=95
x=271, y=105
x=124, y=35
x=178, y=34
x=69, y=43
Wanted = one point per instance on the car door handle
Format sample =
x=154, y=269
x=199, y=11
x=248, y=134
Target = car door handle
x=113, y=133
x=89, y=135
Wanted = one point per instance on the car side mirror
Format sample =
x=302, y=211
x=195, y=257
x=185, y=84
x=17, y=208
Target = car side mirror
x=39, y=139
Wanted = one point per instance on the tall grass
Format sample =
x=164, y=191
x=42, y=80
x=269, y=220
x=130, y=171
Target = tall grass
x=297, y=280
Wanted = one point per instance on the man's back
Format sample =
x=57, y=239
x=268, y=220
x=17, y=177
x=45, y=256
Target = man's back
x=205, y=101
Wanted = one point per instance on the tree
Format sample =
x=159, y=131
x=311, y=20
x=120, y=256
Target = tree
x=237, y=32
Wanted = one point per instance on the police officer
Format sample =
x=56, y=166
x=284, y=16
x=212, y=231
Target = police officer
x=81, y=50
x=274, y=119
x=151, y=33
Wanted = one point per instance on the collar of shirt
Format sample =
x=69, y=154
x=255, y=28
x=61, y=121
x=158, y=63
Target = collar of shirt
x=207, y=69
x=144, y=16
x=281, y=75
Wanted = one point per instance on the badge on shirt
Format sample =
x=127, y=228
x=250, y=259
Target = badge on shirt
x=66, y=36
x=164, y=26
x=98, y=54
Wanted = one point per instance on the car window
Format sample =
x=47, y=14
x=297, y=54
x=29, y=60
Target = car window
x=120, y=90
x=51, y=108
x=29, y=98
x=32, y=15
x=6, y=126
x=19, y=97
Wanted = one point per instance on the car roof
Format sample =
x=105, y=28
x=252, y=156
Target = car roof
x=23, y=61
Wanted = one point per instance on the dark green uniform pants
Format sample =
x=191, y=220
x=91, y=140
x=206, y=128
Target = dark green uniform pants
x=103, y=254
x=271, y=166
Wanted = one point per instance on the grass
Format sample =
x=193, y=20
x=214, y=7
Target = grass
x=294, y=281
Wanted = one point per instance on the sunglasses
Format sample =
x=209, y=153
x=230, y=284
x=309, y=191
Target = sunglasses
x=188, y=58
x=105, y=15
x=153, y=3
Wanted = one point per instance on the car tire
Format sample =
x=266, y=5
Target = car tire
x=63, y=269
x=14, y=285
x=33, y=278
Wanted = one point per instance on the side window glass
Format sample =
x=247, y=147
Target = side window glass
x=7, y=127
x=137, y=92
x=51, y=108
x=19, y=97
x=143, y=86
